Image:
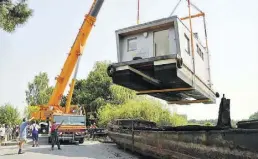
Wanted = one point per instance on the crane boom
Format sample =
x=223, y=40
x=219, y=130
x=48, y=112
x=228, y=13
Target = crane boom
x=70, y=94
x=75, y=53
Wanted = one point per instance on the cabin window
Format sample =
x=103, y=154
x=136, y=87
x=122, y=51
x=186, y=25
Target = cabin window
x=199, y=51
x=201, y=54
x=187, y=45
x=132, y=44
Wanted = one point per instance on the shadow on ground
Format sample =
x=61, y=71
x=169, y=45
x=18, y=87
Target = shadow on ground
x=9, y=154
x=90, y=149
x=94, y=150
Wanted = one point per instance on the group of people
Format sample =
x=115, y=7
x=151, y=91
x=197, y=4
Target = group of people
x=23, y=133
x=35, y=131
x=8, y=132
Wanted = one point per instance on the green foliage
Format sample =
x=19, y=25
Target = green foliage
x=120, y=95
x=97, y=93
x=9, y=115
x=63, y=101
x=140, y=108
x=97, y=90
x=29, y=110
x=203, y=122
x=39, y=92
x=208, y=124
x=13, y=14
x=254, y=116
x=95, y=86
x=177, y=120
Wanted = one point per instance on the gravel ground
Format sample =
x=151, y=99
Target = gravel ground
x=88, y=150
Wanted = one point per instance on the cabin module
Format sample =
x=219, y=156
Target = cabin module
x=156, y=59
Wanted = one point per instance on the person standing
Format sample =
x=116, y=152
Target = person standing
x=13, y=132
x=17, y=129
x=2, y=134
x=35, y=133
x=94, y=126
x=54, y=135
x=23, y=134
x=9, y=132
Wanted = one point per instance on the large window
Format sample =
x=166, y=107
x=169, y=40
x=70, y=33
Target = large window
x=70, y=120
x=187, y=45
x=132, y=44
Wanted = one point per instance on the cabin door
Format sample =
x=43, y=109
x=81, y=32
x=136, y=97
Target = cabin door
x=161, y=43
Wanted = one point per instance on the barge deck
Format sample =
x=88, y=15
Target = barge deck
x=187, y=142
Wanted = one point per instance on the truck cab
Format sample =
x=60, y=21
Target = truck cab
x=73, y=128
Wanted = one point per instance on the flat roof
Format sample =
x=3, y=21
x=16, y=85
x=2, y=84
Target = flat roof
x=155, y=25
x=159, y=24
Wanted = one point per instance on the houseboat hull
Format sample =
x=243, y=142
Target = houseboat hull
x=166, y=78
x=191, y=141
x=203, y=144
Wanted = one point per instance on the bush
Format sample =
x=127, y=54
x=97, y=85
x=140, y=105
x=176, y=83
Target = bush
x=208, y=124
x=140, y=108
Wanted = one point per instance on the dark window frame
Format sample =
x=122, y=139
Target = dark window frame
x=188, y=44
x=199, y=51
x=128, y=43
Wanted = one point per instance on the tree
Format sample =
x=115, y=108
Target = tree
x=63, y=101
x=39, y=91
x=140, y=108
x=97, y=89
x=254, y=116
x=9, y=115
x=29, y=110
x=13, y=14
x=98, y=94
x=97, y=85
x=120, y=95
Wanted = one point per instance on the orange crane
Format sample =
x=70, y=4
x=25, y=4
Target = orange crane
x=70, y=63
x=53, y=110
x=75, y=53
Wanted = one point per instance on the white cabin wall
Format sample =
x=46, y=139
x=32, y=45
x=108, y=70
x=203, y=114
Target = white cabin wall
x=201, y=65
x=187, y=59
x=172, y=41
x=145, y=46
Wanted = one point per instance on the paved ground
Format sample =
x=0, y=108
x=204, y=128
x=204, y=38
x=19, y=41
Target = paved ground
x=88, y=150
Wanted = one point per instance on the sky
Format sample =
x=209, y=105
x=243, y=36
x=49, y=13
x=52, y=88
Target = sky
x=42, y=44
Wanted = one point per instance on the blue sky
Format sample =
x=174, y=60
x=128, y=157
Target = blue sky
x=43, y=43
